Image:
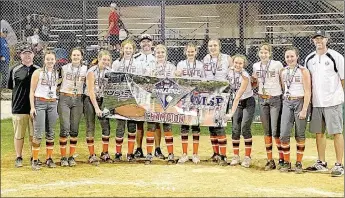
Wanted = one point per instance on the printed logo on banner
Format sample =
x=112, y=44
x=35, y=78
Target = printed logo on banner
x=166, y=91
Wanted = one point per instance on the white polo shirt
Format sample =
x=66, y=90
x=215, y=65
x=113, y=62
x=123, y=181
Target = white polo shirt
x=268, y=79
x=326, y=82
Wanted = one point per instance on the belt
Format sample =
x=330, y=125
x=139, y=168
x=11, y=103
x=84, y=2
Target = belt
x=70, y=95
x=268, y=96
x=293, y=98
x=45, y=99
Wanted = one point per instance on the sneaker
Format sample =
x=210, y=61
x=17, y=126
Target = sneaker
x=118, y=157
x=39, y=161
x=139, y=153
x=214, y=157
x=286, y=167
x=71, y=161
x=130, y=157
x=93, y=159
x=18, y=162
x=64, y=162
x=50, y=163
x=318, y=166
x=195, y=159
x=159, y=154
x=298, y=168
x=105, y=157
x=270, y=165
x=280, y=164
x=183, y=159
x=246, y=161
x=235, y=160
x=35, y=165
x=222, y=160
x=337, y=171
x=171, y=159
x=148, y=159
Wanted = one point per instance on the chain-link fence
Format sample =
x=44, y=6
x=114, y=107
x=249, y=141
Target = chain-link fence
x=240, y=25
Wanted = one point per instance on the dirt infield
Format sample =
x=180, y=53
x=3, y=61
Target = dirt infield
x=159, y=179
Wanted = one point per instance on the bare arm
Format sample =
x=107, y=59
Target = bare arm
x=342, y=83
x=244, y=84
x=90, y=83
x=33, y=86
x=281, y=79
x=307, y=93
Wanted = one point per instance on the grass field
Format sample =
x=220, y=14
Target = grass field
x=160, y=179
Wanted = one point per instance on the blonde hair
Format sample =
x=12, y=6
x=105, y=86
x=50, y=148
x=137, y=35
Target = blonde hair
x=190, y=45
x=103, y=53
x=162, y=47
x=266, y=46
x=243, y=57
x=124, y=43
x=217, y=40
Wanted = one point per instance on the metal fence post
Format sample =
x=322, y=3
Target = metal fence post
x=163, y=21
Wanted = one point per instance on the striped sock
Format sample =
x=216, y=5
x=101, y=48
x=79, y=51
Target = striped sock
x=105, y=143
x=35, y=151
x=49, y=148
x=222, y=144
x=72, y=145
x=150, y=141
x=279, y=147
x=300, y=150
x=63, y=144
x=196, y=137
x=119, y=141
x=131, y=142
x=184, y=140
x=90, y=145
x=236, y=147
x=169, y=141
x=248, y=146
x=268, y=144
x=215, y=145
x=286, y=151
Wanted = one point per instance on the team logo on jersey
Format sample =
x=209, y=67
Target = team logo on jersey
x=327, y=63
x=168, y=92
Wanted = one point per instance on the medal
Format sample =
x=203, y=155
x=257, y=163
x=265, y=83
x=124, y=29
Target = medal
x=264, y=91
x=75, y=91
x=50, y=94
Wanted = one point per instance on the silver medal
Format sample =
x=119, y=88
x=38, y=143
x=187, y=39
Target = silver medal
x=75, y=91
x=50, y=94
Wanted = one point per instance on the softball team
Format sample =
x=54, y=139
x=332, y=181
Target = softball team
x=284, y=95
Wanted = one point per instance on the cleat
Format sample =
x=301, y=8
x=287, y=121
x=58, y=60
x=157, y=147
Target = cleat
x=280, y=164
x=18, y=162
x=39, y=161
x=222, y=160
x=195, y=159
x=64, y=162
x=139, y=153
x=171, y=159
x=148, y=159
x=235, y=160
x=214, y=157
x=318, y=166
x=246, y=162
x=71, y=161
x=93, y=159
x=130, y=157
x=105, y=157
x=159, y=154
x=270, y=165
x=337, y=171
x=183, y=159
x=35, y=165
x=286, y=167
x=298, y=168
x=50, y=163
x=118, y=157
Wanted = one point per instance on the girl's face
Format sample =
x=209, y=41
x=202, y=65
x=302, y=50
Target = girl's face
x=264, y=54
x=104, y=61
x=213, y=47
x=238, y=64
x=49, y=60
x=76, y=57
x=291, y=57
x=160, y=54
x=128, y=49
x=191, y=52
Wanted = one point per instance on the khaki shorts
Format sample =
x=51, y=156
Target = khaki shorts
x=329, y=118
x=22, y=122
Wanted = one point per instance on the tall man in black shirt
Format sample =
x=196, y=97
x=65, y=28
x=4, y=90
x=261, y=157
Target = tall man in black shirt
x=19, y=81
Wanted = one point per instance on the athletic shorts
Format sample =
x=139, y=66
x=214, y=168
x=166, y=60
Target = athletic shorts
x=114, y=39
x=21, y=123
x=329, y=118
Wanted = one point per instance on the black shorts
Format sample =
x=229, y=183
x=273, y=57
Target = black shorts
x=114, y=39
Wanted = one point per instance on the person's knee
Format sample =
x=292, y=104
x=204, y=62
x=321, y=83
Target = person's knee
x=36, y=141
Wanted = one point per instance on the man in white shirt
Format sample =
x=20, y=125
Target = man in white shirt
x=327, y=70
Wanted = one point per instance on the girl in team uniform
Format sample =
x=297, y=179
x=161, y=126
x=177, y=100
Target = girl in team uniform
x=126, y=64
x=44, y=108
x=216, y=67
x=243, y=109
x=296, y=82
x=94, y=94
x=266, y=73
x=161, y=69
x=70, y=105
x=191, y=69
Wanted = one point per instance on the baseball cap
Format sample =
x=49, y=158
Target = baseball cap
x=4, y=30
x=26, y=48
x=145, y=36
x=113, y=5
x=322, y=33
